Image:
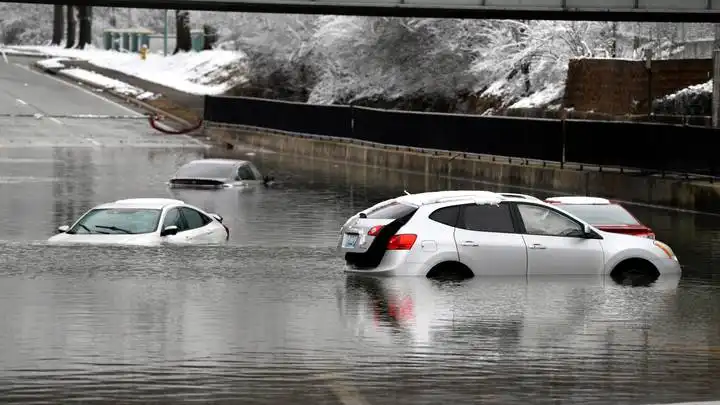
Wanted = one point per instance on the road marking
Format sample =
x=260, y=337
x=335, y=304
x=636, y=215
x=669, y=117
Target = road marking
x=94, y=142
x=84, y=90
x=20, y=101
x=345, y=393
x=55, y=120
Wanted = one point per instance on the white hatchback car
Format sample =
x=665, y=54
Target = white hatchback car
x=484, y=233
x=144, y=221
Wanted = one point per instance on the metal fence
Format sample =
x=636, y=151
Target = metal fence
x=650, y=146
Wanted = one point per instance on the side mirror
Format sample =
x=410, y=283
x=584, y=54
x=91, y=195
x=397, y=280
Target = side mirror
x=587, y=230
x=63, y=228
x=169, y=230
x=218, y=217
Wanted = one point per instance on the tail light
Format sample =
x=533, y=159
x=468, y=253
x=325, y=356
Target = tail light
x=402, y=242
x=375, y=230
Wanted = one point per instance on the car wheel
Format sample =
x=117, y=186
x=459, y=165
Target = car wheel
x=635, y=272
x=450, y=271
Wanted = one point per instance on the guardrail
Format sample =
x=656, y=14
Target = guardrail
x=651, y=147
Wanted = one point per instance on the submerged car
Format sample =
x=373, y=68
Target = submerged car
x=603, y=214
x=218, y=173
x=144, y=221
x=483, y=233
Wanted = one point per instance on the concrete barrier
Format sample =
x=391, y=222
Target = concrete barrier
x=699, y=196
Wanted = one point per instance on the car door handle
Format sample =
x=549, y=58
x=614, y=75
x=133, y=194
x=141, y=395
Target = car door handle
x=537, y=246
x=469, y=243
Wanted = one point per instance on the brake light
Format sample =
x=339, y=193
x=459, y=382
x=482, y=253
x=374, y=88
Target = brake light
x=375, y=230
x=402, y=242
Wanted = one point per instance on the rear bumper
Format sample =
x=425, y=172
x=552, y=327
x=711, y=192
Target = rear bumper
x=393, y=263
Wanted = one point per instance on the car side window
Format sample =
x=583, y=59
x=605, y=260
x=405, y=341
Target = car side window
x=172, y=218
x=194, y=219
x=545, y=221
x=447, y=216
x=487, y=218
x=245, y=173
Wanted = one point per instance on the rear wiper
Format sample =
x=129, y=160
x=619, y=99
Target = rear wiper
x=112, y=228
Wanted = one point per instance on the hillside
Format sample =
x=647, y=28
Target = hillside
x=411, y=63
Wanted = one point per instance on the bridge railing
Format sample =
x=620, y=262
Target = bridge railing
x=653, y=147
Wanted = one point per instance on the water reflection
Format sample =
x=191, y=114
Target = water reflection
x=522, y=312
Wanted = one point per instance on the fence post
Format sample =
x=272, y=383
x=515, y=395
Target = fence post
x=352, y=121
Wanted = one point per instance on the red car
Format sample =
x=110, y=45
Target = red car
x=603, y=214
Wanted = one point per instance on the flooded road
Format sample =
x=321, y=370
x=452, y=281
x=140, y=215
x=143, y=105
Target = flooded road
x=271, y=318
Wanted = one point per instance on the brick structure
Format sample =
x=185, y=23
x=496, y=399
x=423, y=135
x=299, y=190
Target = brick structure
x=620, y=86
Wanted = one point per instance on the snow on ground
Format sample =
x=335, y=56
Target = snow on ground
x=107, y=83
x=53, y=63
x=209, y=72
x=706, y=87
x=542, y=98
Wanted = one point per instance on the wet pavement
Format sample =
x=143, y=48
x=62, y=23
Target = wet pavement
x=271, y=318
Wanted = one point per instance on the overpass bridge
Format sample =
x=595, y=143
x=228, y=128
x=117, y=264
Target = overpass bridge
x=579, y=10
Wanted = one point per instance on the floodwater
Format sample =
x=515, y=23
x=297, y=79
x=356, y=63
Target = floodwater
x=271, y=318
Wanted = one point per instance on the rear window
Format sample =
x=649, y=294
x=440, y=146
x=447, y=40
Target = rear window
x=392, y=211
x=608, y=214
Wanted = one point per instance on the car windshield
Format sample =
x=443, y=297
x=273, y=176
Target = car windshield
x=129, y=221
x=605, y=214
x=206, y=170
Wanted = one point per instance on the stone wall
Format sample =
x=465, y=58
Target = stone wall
x=618, y=86
x=545, y=176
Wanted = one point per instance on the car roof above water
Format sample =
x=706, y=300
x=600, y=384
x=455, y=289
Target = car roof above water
x=228, y=162
x=149, y=203
x=479, y=196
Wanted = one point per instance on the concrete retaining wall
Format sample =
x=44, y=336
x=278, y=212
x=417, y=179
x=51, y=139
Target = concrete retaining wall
x=697, y=196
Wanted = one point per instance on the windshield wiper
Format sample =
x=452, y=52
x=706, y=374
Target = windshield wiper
x=81, y=226
x=112, y=228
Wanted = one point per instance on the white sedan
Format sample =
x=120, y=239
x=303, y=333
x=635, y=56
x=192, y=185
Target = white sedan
x=146, y=222
x=483, y=233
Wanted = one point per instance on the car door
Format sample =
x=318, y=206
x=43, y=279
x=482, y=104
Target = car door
x=200, y=227
x=488, y=242
x=173, y=217
x=550, y=248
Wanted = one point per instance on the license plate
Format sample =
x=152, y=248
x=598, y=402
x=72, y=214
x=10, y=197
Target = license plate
x=350, y=240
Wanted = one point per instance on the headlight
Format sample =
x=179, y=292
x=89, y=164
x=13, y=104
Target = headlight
x=666, y=249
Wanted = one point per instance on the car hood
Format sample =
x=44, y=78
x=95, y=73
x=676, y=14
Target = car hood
x=66, y=238
x=621, y=240
x=623, y=228
x=199, y=182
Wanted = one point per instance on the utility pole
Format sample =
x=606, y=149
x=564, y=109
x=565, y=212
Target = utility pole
x=165, y=34
x=716, y=79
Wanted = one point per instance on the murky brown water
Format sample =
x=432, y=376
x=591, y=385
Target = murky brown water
x=271, y=319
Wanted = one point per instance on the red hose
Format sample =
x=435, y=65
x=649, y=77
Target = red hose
x=153, y=123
